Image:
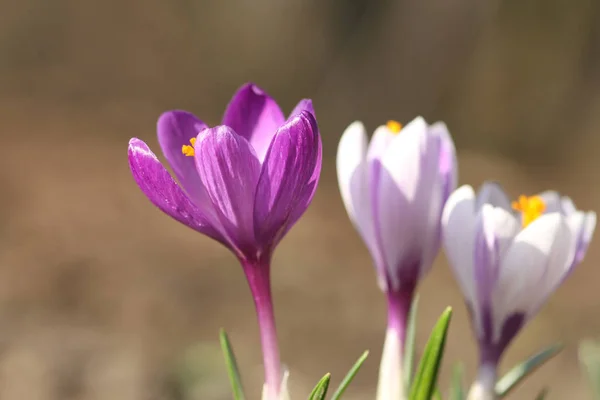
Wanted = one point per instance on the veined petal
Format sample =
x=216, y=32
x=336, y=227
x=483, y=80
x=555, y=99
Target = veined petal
x=582, y=226
x=303, y=105
x=408, y=189
x=442, y=169
x=532, y=267
x=255, y=115
x=284, y=180
x=494, y=232
x=175, y=129
x=380, y=142
x=353, y=179
x=160, y=188
x=448, y=164
x=229, y=170
x=458, y=236
x=492, y=193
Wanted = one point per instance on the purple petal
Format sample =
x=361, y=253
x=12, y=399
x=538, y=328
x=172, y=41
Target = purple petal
x=162, y=190
x=175, y=129
x=288, y=179
x=253, y=114
x=229, y=170
x=303, y=105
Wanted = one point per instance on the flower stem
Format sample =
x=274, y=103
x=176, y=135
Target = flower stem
x=484, y=386
x=391, y=379
x=258, y=275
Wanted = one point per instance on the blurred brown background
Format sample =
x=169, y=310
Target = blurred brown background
x=101, y=294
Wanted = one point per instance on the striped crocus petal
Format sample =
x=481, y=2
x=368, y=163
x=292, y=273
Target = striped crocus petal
x=161, y=189
x=506, y=271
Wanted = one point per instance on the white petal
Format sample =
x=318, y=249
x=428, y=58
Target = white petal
x=353, y=179
x=492, y=193
x=403, y=155
x=590, y=226
x=458, y=235
x=533, y=266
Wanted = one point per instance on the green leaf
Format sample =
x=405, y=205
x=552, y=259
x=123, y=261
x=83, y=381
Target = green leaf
x=350, y=376
x=437, y=395
x=509, y=381
x=232, y=368
x=589, y=357
x=542, y=394
x=320, y=390
x=409, y=345
x=425, y=381
x=457, y=391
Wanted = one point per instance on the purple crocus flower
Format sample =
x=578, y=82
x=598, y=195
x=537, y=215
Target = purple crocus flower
x=244, y=183
x=394, y=190
x=508, y=258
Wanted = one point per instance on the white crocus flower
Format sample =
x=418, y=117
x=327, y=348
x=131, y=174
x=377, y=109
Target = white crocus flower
x=508, y=258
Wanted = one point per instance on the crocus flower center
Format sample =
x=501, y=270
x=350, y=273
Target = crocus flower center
x=188, y=150
x=394, y=126
x=530, y=207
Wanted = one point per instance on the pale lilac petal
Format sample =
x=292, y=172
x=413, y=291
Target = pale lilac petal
x=567, y=205
x=533, y=266
x=582, y=226
x=229, y=170
x=380, y=142
x=492, y=193
x=382, y=137
x=448, y=164
x=408, y=180
x=458, y=236
x=552, y=201
x=160, y=188
x=175, y=129
x=443, y=172
x=284, y=188
x=255, y=115
x=494, y=233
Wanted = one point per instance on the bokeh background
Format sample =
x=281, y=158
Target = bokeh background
x=104, y=297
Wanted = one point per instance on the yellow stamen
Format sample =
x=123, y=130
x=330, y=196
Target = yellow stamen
x=531, y=208
x=187, y=150
x=394, y=126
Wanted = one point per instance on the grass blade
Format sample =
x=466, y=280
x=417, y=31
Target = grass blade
x=232, y=368
x=516, y=375
x=409, y=346
x=320, y=390
x=457, y=391
x=589, y=357
x=350, y=376
x=425, y=381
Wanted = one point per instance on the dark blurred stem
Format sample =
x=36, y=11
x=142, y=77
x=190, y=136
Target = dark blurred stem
x=258, y=275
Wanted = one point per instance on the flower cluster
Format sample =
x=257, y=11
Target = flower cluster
x=246, y=182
